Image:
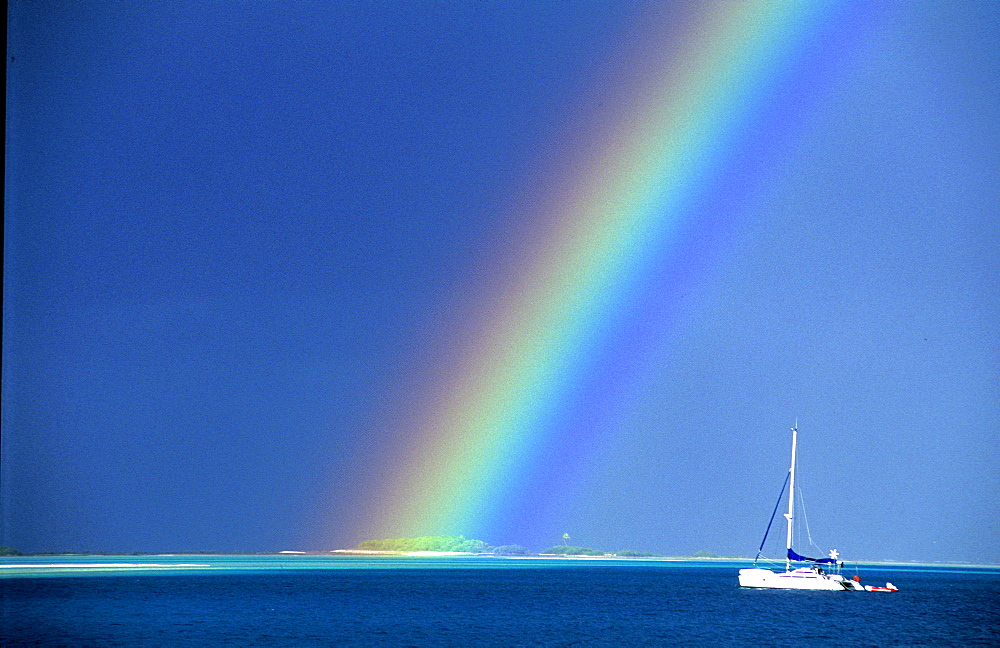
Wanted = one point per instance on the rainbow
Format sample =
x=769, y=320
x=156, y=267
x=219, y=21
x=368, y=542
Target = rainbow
x=629, y=208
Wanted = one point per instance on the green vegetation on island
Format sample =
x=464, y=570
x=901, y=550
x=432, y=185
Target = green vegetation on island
x=512, y=550
x=565, y=550
x=443, y=544
x=9, y=551
x=628, y=553
x=701, y=553
x=459, y=544
x=427, y=543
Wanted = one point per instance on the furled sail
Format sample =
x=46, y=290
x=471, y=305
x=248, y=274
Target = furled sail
x=794, y=556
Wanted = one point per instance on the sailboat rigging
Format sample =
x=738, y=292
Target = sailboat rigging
x=813, y=577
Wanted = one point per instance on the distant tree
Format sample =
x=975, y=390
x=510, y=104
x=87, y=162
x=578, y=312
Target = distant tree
x=9, y=551
x=701, y=553
x=628, y=553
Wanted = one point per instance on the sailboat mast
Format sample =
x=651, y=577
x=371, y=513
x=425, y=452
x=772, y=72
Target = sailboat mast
x=791, y=499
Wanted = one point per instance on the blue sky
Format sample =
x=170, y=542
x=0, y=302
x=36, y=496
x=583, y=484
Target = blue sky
x=232, y=230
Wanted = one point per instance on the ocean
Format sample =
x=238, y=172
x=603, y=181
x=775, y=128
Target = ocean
x=295, y=600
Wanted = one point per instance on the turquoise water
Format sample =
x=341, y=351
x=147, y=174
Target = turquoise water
x=301, y=600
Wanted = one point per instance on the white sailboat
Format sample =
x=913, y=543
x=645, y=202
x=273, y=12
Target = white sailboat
x=813, y=577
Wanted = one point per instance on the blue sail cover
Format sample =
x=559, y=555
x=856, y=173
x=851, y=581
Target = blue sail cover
x=794, y=556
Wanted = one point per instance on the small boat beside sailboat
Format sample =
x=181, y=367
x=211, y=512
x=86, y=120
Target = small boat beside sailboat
x=820, y=574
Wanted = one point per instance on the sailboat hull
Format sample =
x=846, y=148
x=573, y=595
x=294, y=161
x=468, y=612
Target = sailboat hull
x=799, y=579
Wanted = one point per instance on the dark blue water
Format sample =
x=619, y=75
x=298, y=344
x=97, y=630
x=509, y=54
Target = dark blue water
x=508, y=603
